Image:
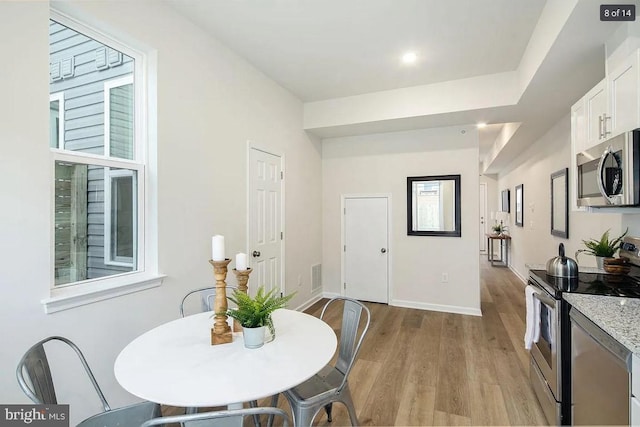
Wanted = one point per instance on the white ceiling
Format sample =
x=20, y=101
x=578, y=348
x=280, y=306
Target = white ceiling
x=322, y=49
x=331, y=49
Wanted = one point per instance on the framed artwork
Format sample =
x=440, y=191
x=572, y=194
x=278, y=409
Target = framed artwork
x=520, y=205
x=505, y=207
x=560, y=203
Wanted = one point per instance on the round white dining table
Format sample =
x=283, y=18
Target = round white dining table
x=175, y=363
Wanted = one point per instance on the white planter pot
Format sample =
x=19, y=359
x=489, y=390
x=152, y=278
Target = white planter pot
x=253, y=337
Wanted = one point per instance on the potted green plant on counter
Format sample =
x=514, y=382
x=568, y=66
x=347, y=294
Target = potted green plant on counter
x=254, y=314
x=602, y=248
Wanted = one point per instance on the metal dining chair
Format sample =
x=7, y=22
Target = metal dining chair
x=207, y=297
x=35, y=380
x=204, y=419
x=330, y=384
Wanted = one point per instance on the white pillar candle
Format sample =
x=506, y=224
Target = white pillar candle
x=241, y=261
x=217, y=248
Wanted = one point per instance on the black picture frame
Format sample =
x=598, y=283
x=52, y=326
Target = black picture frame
x=560, y=203
x=519, y=207
x=457, y=222
x=506, y=201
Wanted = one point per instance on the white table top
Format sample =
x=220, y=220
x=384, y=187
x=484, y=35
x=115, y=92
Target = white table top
x=175, y=363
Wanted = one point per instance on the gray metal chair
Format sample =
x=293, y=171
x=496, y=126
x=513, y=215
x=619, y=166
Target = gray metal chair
x=35, y=380
x=207, y=297
x=330, y=384
x=204, y=419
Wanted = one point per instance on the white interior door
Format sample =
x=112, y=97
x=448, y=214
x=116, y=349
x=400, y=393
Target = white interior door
x=265, y=220
x=483, y=217
x=366, y=248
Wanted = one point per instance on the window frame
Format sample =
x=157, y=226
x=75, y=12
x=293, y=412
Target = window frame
x=62, y=297
x=109, y=175
x=108, y=86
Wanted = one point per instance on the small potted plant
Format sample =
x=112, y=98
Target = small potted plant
x=254, y=314
x=602, y=248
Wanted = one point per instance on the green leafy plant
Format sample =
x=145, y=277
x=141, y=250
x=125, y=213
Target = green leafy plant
x=255, y=312
x=603, y=247
x=497, y=228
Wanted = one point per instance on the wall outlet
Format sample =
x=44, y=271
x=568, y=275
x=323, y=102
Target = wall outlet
x=444, y=278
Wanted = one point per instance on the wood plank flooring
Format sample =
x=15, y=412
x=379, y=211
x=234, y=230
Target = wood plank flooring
x=423, y=368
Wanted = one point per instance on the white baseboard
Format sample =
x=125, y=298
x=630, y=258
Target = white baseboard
x=330, y=295
x=522, y=279
x=314, y=299
x=437, y=307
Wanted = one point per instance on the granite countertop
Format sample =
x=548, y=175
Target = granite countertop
x=617, y=316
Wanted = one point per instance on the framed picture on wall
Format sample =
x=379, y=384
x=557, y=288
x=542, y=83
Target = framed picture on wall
x=505, y=201
x=519, y=205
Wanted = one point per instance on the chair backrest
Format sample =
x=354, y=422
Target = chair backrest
x=34, y=374
x=206, y=297
x=350, y=341
x=193, y=420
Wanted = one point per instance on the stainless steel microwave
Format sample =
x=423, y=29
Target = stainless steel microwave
x=608, y=173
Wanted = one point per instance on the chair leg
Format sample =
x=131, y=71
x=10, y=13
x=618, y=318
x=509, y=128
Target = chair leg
x=274, y=404
x=328, y=409
x=303, y=416
x=348, y=402
x=256, y=418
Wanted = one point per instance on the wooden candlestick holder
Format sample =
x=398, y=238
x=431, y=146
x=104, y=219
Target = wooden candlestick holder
x=221, y=332
x=242, y=277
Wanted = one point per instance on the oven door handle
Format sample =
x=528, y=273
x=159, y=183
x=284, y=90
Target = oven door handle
x=545, y=299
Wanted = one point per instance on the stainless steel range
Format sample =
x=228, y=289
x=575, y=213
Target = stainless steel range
x=550, y=365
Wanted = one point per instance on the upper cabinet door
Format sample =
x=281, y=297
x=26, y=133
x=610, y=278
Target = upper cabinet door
x=596, y=105
x=579, y=126
x=624, y=96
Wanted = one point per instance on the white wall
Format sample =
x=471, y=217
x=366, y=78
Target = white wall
x=533, y=243
x=210, y=102
x=381, y=163
x=492, y=198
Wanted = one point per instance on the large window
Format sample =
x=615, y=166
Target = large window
x=99, y=153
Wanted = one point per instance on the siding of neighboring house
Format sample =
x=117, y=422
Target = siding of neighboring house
x=80, y=66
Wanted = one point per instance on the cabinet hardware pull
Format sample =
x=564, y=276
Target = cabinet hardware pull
x=600, y=122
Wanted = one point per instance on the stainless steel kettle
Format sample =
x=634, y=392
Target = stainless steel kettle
x=561, y=266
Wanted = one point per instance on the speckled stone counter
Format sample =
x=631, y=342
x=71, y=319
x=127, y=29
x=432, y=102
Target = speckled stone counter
x=619, y=317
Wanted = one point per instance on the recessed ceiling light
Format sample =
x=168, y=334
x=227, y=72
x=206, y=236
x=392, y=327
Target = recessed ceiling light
x=481, y=125
x=409, y=58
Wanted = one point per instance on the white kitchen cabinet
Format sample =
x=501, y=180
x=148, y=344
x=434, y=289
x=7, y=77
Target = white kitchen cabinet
x=612, y=106
x=597, y=114
x=579, y=125
x=623, y=84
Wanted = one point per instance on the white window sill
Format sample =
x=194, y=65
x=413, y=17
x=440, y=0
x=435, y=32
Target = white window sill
x=68, y=297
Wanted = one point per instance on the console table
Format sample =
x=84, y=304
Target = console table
x=505, y=241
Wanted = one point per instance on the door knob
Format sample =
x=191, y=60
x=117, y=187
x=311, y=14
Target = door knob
x=256, y=254
x=383, y=250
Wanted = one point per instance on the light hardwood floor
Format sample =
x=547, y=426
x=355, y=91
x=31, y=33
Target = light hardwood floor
x=423, y=368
